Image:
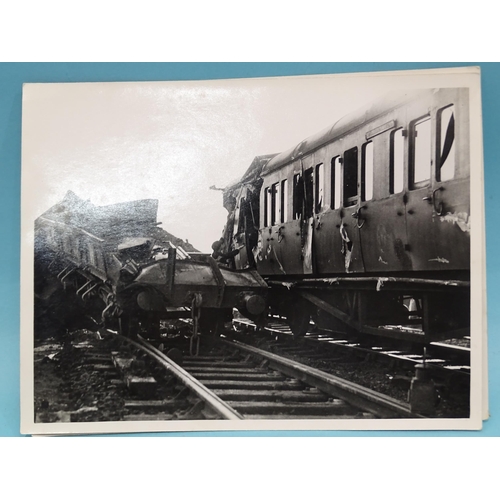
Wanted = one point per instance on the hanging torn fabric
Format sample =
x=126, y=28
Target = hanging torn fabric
x=346, y=246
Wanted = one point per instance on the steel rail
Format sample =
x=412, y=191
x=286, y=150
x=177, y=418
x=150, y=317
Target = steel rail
x=361, y=397
x=457, y=367
x=378, y=280
x=212, y=400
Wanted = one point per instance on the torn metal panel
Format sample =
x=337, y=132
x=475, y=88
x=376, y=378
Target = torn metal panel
x=461, y=219
x=307, y=248
x=346, y=247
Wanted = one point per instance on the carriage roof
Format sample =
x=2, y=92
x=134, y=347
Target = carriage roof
x=342, y=126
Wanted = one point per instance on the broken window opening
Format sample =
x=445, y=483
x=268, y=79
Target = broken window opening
x=446, y=144
x=319, y=191
x=298, y=196
x=253, y=206
x=241, y=227
x=351, y=177
x=309, y=193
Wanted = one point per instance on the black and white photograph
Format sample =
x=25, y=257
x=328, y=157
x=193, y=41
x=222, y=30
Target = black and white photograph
x=286, y=253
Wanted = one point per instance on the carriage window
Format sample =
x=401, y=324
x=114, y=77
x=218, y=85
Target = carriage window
x=82, y=249
x=99, y=259
x=309, y=192
x=267, y=207
x=350, y=177
x=91, y=254
x=421, y=152
x=367, y=172
x=336, y=182
x=284, y=200
x=60, y=243
x=275, y=202
x=73, y=249
x=320, y=181
x=446, y=144
x=397, y=161
x=239, y=224
x=298, y=195
x=67, y=245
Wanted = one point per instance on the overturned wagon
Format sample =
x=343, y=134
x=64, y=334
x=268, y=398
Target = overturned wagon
x=113, y=267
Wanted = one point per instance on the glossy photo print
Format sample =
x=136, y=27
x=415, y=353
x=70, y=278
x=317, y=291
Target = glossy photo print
x=259, y=254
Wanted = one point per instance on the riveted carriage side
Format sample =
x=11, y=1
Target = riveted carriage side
x=367, y=223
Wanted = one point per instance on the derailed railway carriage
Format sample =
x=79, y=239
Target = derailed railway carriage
x=112, y=267
x=365, y=226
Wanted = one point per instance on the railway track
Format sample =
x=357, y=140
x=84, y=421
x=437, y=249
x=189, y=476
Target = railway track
x=119, y=379
x=440, y=357
x=238, y=381
x=268, y=374
x=385, y=366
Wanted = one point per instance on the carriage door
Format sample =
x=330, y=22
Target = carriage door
x=290, y=230
x=450, y=197
x=308, y=222
x=381, y=216
x=419, y=212
x=270, y=257
x=241, y=231
x=294, y=238
x=350, y=223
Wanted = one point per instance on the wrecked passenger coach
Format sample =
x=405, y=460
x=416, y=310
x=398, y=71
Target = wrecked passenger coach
x=366, y=225
x=113, y=267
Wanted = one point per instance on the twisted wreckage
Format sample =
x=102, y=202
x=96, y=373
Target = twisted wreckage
x=113, y=267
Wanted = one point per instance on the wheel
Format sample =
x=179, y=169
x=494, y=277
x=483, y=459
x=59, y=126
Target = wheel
x=175, y=355
x=128, y=326
x=260, y=320
x=212, y=321
x=151, y=328
x=298, y=317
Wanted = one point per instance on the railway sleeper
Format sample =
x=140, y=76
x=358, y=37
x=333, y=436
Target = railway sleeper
x=358, y=416
x=141, y=417
x=153, y=405
x=195, y=412
x=217, y=364
x=253, y=384
x=329, y=408
x=141, y=386
x=270, y=395
x=219, y=370
x=237, y=377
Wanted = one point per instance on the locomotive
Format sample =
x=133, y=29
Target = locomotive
x=365, y=226
x=112, y=267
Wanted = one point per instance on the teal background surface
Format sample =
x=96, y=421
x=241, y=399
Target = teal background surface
x=12, y=77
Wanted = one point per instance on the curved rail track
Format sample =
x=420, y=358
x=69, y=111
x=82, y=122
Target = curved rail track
x=237, y=381
x=439, y=356
x=232, y=380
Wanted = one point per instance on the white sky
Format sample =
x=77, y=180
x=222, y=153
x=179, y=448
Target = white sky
x=114, y=142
